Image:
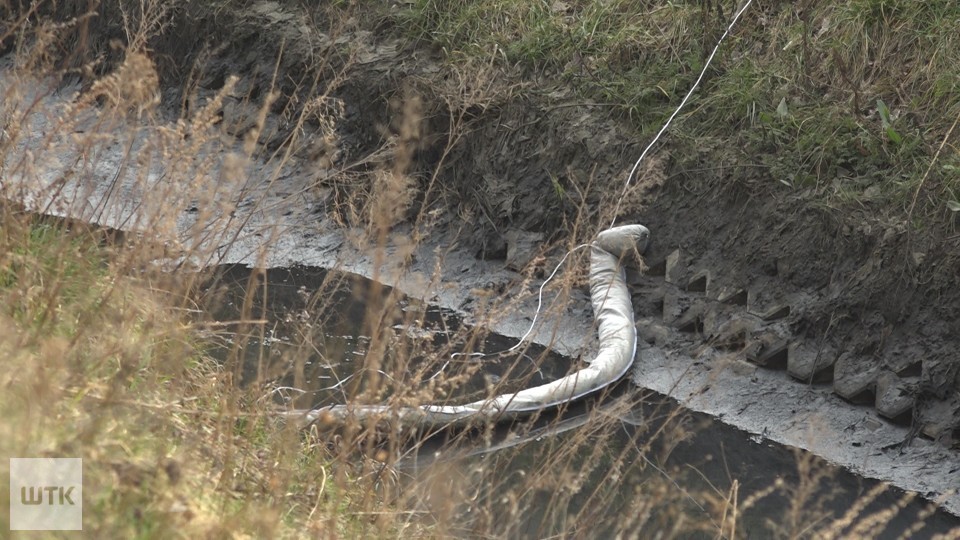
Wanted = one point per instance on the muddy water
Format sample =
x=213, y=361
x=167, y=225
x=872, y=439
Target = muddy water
x=313, y=332
x=311, y=338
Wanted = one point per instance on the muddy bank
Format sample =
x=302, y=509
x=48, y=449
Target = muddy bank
x=712, y=457
x=829, y=330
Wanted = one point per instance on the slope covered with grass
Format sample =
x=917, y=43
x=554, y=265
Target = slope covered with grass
x=855, y=100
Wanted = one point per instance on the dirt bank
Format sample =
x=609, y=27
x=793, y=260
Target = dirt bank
x=833, y=328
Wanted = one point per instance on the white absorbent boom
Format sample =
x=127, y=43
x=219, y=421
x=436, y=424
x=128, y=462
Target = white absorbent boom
x=618, y=344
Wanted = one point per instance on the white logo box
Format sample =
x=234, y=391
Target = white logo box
x=46, y=494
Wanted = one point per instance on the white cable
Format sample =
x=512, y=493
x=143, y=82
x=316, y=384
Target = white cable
x=540, y=296
x=536, y=314
x=677, y=111
x=626, y=185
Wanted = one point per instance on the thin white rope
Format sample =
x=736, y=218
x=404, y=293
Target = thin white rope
x=536, y=313
x=633, y=171
x=686, y=98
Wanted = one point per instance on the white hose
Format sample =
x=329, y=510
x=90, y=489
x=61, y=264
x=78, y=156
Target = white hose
x=618, y=342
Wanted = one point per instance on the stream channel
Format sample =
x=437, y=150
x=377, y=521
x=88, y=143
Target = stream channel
x=312, y=353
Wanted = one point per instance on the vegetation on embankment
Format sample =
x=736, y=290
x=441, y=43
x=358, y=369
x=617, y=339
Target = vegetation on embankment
x=854, y=101
x=101, y=361
x=850, y=102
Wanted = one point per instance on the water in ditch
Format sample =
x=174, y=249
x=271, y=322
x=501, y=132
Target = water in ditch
x=310, y=336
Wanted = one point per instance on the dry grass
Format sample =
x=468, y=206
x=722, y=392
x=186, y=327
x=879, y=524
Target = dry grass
x=107, y=342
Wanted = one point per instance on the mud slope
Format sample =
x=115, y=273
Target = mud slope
x=839, y=297
x=831, y=328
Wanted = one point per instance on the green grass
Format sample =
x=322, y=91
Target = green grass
x=851, y=98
